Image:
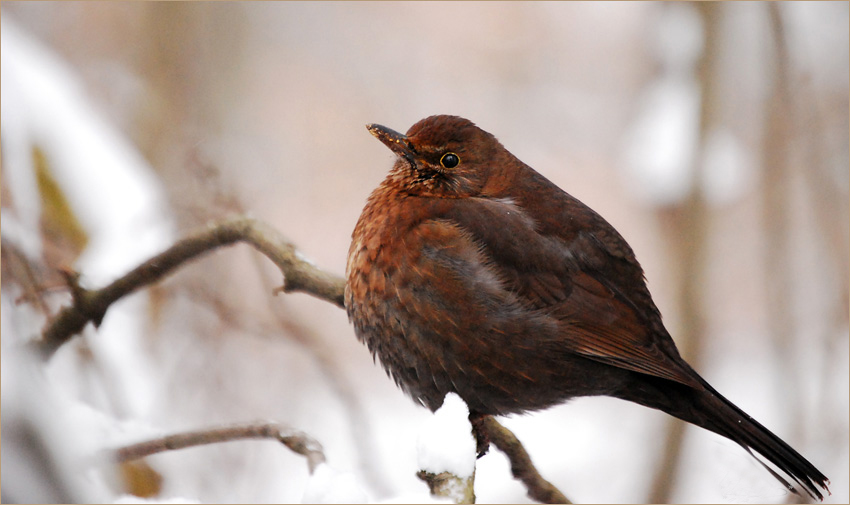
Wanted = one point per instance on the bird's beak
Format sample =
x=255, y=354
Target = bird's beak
x=396, y=141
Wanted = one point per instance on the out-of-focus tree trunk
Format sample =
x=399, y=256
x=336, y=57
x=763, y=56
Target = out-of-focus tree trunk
x=687, y=225
x=776, y=219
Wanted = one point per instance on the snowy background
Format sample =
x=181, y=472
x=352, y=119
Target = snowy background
x=714, y=137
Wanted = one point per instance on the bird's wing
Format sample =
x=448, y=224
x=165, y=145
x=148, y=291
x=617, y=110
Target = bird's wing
x=610, y=320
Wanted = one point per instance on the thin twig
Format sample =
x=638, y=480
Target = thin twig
x=91, y=305
x=296, y=441
x=522, y=468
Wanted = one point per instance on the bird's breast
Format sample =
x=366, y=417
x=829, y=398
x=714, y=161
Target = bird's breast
x=427, y=300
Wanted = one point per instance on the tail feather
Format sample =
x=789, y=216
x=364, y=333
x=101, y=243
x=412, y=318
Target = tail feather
x=733, y=423
x=710, y=410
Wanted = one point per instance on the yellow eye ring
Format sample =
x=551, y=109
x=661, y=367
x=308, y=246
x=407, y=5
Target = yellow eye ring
x=450, y=160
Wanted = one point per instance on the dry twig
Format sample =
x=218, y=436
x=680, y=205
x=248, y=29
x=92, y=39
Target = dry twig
x=296, y=441
x=522, y=468
x=91, y=305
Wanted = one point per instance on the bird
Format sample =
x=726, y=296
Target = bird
x=471, y=273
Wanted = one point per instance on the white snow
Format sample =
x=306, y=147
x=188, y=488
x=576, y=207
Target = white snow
x=445, y=443
x=107, y=182
x=129, y=498
x=119, y=204
x=327, y=485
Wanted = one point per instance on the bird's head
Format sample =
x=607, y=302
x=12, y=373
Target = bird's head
x=442, y=156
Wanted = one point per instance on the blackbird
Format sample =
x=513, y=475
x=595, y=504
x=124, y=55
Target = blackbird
x=469, y=272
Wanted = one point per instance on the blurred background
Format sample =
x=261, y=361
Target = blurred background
x=713, y=136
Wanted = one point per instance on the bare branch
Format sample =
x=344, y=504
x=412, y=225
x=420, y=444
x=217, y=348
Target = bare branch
x=296, y=441
x=91, y=305
x=521, y=466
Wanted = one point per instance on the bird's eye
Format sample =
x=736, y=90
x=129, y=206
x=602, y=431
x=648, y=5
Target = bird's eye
x=449, y=160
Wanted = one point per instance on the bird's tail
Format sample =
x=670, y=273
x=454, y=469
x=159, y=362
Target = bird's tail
x=710, y=410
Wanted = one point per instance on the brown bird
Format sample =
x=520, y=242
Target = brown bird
x=471, y=273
